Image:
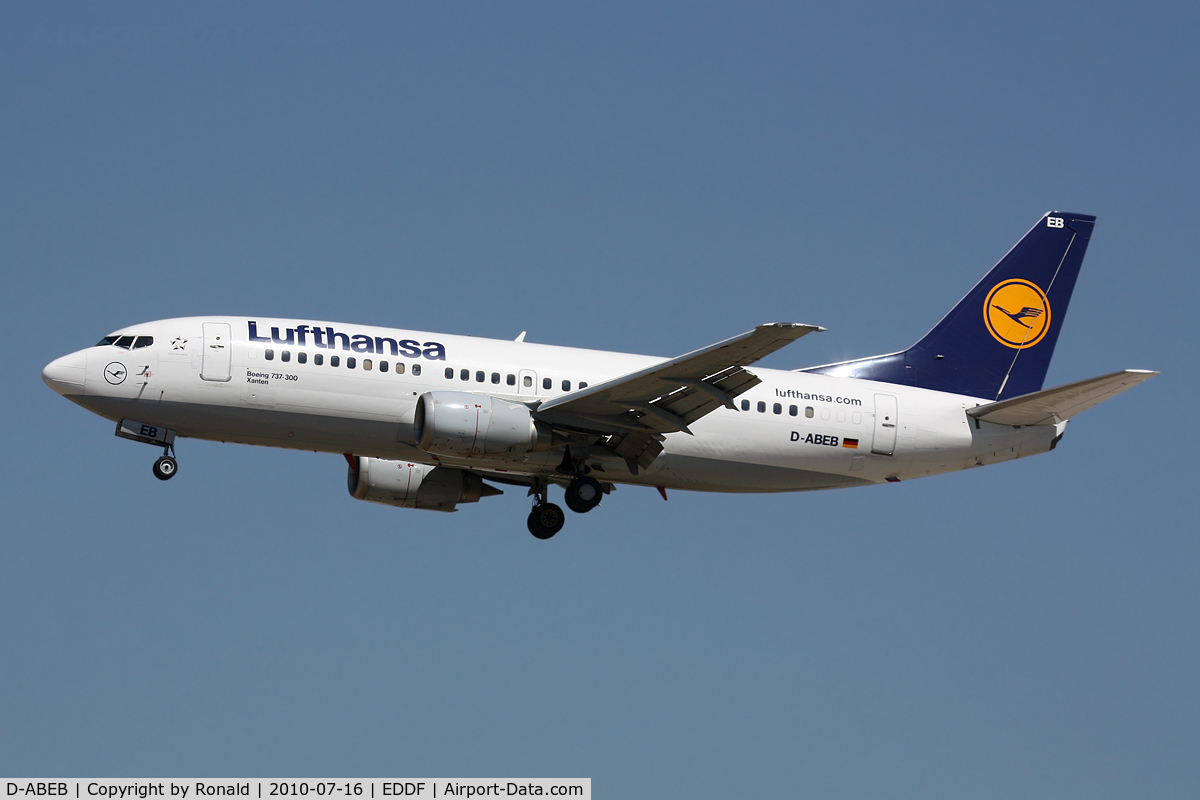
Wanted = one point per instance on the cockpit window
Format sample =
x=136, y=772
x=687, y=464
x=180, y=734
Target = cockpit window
x=126, y=342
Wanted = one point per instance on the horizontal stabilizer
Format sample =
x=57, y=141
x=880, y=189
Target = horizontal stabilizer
x=1061, y=403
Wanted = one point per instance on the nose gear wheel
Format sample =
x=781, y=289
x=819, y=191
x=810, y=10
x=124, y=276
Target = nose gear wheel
x=165, y=468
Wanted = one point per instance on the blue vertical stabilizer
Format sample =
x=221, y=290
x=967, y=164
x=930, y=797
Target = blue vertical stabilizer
x=997, y=342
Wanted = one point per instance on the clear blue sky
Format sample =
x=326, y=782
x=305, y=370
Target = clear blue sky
x=642, y=177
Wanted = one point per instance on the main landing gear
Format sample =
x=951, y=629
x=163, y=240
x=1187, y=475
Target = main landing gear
x=583, y=494
x=545, y=520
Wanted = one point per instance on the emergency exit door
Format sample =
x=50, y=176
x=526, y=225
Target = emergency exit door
x=527, y=382
x=218, y=352
x=884, y=442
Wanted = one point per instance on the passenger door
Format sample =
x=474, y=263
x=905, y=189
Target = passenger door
x=218, y=352
x=886, y=420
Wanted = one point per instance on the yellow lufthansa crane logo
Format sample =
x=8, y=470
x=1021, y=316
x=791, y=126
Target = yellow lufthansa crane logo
x=1017, y=313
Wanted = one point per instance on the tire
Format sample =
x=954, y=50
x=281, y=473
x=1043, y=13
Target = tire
x=165, y=468
x=545, y=520
x=584, y=494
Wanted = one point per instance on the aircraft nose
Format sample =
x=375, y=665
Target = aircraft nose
x=65, y=375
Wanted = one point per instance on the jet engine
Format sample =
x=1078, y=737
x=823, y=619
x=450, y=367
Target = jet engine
x=400, y=483
x=464, y=425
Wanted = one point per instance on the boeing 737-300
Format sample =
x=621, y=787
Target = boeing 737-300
x=430, y=421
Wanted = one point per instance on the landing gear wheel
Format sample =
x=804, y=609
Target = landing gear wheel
x=165, y=468
x=584, y=494
x=545, y=520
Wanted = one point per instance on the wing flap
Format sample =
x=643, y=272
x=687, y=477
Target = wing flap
x=638, y=449
x=1050, y=406
x=692, y=400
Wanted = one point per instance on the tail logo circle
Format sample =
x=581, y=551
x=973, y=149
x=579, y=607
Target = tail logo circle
x=1017, y=313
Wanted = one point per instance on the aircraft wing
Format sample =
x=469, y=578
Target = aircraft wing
x=1063, y=402
x=636, y=410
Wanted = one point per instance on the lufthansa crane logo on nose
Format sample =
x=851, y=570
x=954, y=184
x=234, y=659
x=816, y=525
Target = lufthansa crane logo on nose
x=1017, y=313
x=115, y=373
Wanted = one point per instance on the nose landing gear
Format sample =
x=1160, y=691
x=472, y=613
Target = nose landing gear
x=165, y=468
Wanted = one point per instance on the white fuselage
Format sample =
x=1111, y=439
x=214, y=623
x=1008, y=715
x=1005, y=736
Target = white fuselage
x=207, y=378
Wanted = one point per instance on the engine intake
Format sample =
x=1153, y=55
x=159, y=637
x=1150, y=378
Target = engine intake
x=400, y=483
x=465, y=425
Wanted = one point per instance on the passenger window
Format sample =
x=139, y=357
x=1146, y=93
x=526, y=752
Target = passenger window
x=495, y=377
x=547, y=383
x=808, y=411
x=566, y=386
x=778, y=409
x=302, y=357
x=449, y=373
x=285, y=355
x=793, y=410
x=269, y=354
x=512, y=380
x=399, y=367
x=464, y=375
x=143, y=341
x=745, y=405
x=335, y=360
x=125, y=342
x=582, y=385
x=351, y=362
x=416, y=370
x=318, y=359
x=383, y=366
x=479, y=376
x=762, y=407
x=367, y=364
x=527, y=382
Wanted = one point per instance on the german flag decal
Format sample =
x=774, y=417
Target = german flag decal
x=851, y=443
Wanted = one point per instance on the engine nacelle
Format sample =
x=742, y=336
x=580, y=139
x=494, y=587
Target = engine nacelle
x=400, y=483
x=464, y=425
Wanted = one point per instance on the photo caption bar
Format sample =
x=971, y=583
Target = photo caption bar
x=270, y=788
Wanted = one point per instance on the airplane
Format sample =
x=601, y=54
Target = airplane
x=431, y=421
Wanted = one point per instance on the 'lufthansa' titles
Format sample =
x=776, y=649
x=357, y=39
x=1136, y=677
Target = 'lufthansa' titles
x=329, y=339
